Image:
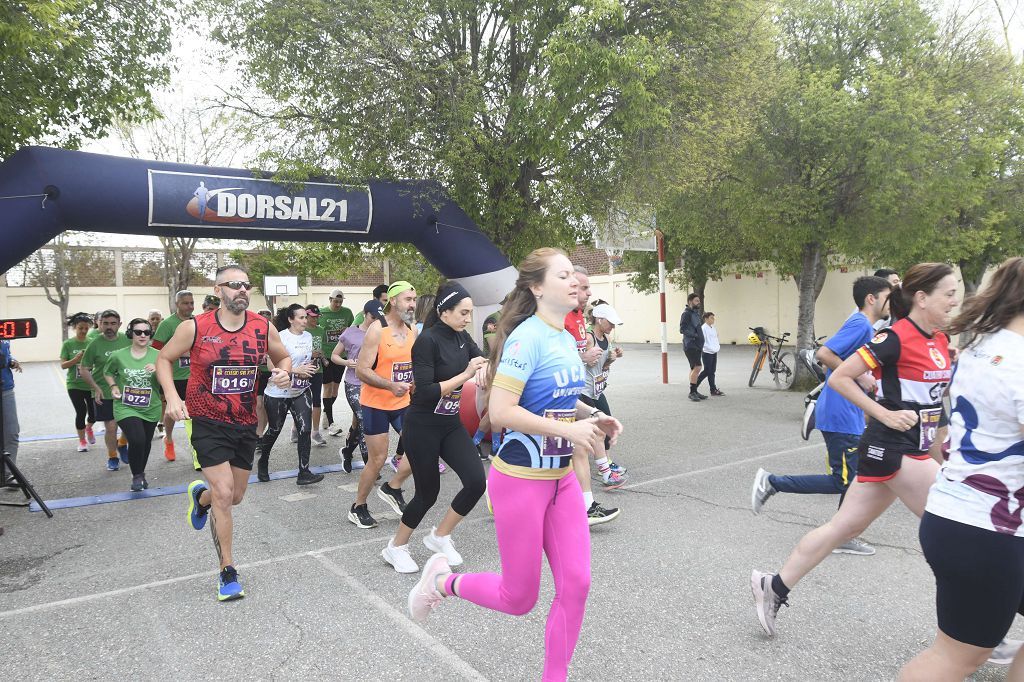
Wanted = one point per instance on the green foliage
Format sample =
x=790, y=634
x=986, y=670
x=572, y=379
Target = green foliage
x=69, y=67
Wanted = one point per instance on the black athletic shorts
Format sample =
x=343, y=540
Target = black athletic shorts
x=876, y=463
x=333, y=373
x=104, y=411
x=216, y=443
x=179, y=386
x=693, y=355
x=262, y=381
x=979, y=579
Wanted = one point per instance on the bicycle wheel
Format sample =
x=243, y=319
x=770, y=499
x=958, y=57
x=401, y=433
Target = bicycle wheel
x=758, y=363
x=807, y=424
x=781, y=371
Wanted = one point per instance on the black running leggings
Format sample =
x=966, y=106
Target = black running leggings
x=84, y=407
x=140, y=440
x=428, y=442
x=301, y=408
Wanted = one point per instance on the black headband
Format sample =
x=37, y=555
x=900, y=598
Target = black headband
x=452, y=293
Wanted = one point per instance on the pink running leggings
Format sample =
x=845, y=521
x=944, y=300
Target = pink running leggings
x=531, y=516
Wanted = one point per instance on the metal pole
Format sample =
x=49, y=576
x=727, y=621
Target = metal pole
x=661, y=296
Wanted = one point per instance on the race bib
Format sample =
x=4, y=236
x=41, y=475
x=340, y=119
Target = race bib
x=184, y=362
x=333, y=335
x=557, y=447
x=300, y=384
x=929, y=427
x=449, y=404
x=136, y=396
x=600, y=382
x=401, y=372
x=233, y=379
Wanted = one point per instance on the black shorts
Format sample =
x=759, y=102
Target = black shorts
x=333, y=373
x=262, y=381
x=216, y=443
x=876, y=463
x=179, y=386
x=376, y=422
x=316, y=384
x=105, y=410
x=979, y=579
x=693, y=355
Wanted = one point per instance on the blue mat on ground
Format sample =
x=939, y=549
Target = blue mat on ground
x=127, y=495
x=68, y=436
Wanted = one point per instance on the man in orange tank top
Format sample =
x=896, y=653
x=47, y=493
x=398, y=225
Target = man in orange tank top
x=226, y=347
x=385, y=368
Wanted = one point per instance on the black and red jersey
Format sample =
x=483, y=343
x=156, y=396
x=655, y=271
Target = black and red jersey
x=913, y=370
x=225, y=366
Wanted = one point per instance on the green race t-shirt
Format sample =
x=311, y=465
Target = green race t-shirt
x=140, y=392
x=93, y=333
x=97, y=354
x=319, y=335
x=334, y=323
x=68, y=350
x=163, y=334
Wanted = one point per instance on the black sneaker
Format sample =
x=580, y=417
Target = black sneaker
x=346, y=464
x=393, y=497
x=361, y=517
x=306, y=477
x=263, y=470
x=716, y=392
x=694, y=397
x=700, y=395
x=597, y=514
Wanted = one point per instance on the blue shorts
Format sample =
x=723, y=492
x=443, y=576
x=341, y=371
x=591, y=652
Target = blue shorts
x=376, y=422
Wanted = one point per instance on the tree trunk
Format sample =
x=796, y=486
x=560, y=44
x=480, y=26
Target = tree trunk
x=809, y=282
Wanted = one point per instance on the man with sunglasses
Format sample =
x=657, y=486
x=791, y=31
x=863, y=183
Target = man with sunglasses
x=226, y=347
x=93, y=367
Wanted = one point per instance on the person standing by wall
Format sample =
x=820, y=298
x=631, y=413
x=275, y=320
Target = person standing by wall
x=693, y=342
x=12, y=430
x=709, y=354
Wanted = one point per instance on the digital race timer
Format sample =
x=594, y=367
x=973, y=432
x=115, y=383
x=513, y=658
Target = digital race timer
x=23, y=328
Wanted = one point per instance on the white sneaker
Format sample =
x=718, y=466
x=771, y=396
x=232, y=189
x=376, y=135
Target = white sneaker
x=760, y=491
x=399, y=557
x=424, y=596
x=436, y=543
x=855, y=546
x=318, y=440
x=336, y=429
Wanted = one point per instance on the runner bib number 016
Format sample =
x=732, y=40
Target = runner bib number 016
x=136, y=396
x=233, y=379
x=557, y=447
x=299, y=384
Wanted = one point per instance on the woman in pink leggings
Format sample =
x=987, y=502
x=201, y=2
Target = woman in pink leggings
x=536, y=377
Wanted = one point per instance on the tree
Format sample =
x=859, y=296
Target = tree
x=58, y=266
x=71, y=66
x=523, y=111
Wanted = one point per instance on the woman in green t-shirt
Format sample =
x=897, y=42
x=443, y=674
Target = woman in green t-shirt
x=79, y=391
x=131, y=375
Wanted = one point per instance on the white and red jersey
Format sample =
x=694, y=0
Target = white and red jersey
x=913, y=370
x=575, y=325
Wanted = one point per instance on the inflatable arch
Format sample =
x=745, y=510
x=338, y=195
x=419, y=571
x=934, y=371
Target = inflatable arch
x=44, y=192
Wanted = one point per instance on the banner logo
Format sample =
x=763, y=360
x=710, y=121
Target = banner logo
x=196, y=200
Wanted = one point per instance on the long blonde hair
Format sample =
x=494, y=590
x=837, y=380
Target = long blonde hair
x=520, y=303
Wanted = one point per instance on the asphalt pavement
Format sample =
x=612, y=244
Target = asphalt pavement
x=126, y=590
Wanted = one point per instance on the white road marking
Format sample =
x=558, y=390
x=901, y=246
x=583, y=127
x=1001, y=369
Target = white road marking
x=718, y=467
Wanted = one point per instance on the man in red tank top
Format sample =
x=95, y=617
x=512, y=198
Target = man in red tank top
x=227, y=345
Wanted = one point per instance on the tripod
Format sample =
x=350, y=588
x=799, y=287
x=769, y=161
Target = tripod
x=7, y=463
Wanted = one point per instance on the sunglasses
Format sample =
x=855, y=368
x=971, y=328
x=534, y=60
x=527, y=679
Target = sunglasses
x=141, y=332
x=236, y=285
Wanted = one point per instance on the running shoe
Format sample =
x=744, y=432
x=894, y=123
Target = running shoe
x=1005, y=652
x=361, y=516
x=228, y=587
x=136, y=486
x=82, y=447
x=425, y=596
x=694, y=397
x=597, y=514
x=394, y=462
x=765, y=600
x=318, y=440
x=716, y=392
x=436, y=543
x=441, y=468
x=113, y=464
x=612, y=480
x=399, y=558
x=145, y=483
x=335, y=429
x=700, y=395
x=197, y=516
x=855, y=546
x=393, y=497
x=89, y=435
x=169, y=450
x=307, y=477
x=761, y=490
x=262, y=470
x=122, y=451
x=616, y=467
x=346, y=461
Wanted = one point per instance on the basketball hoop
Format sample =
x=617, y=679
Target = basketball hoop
x=614, y=257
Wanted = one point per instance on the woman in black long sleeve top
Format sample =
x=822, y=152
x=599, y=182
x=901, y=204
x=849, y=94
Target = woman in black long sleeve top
x=444, y=357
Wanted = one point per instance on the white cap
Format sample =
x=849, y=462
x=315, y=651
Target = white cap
x=337, y=292
x=606, y=312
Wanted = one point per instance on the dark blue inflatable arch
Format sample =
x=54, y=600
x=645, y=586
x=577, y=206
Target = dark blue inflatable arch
x=98, y=193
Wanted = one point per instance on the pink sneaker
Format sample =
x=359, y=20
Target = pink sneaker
x=424, y=596
x=82, y=447
x=90, y=436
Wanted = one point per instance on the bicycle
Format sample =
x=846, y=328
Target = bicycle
x=781, y=372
